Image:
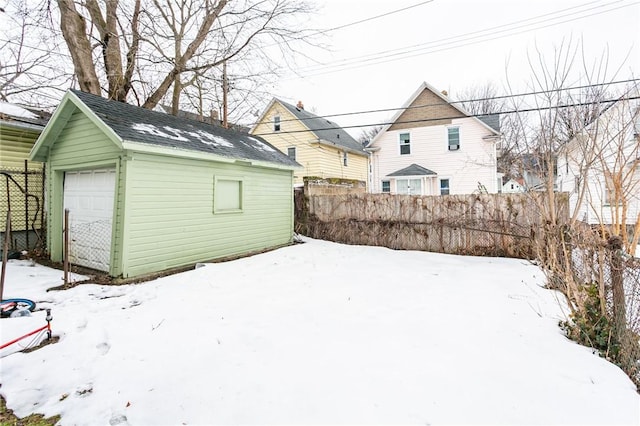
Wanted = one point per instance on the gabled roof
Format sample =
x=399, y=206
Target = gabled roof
x=413, y=170
x=425, y=86
x=327, y=132
x=126, y=124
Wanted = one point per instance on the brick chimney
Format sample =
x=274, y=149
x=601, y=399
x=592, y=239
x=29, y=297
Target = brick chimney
x=300, y=105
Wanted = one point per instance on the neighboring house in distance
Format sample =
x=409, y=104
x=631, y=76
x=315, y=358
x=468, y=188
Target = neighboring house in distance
x=433, y=147
x=609, y=150
x=514, y=185
x=148, y=191
x=321, y=146
x=534, y=170
x=19, y=129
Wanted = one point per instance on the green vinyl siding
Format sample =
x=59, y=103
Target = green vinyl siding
x=170, y=213
x=164, y=214
x=81, y=144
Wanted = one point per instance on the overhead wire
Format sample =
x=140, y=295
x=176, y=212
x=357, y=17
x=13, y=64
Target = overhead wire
x=426, y=120
x=441, y=44
x=463, y=101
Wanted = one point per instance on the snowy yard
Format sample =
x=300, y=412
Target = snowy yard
x=316, y=333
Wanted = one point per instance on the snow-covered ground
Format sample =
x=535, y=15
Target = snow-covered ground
x=316, y=333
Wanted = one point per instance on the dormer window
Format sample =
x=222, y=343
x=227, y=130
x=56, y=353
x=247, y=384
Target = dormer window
x=276, y=123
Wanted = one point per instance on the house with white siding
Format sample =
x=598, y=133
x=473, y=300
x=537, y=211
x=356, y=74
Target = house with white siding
x=513, y=186
x=433, y=147
x=600, y=167
x=320, y=146
x=148, y=192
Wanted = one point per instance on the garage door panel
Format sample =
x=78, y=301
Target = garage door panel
x=89, y=196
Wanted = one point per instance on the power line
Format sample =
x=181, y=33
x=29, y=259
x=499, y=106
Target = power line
x=373, y=17
x=471, y=38
x=452, y=102
x=426, y=120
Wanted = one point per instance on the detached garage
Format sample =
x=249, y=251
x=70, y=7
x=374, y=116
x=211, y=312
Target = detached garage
x=147, y=191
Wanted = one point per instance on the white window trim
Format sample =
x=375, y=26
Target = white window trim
x=400, y=144
x=408, y=179
x=277, y=122
x=295, y=152
x=440, y=179
x=457, y=126
x=240, y=180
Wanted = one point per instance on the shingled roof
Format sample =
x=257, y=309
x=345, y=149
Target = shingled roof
x=135, y=124
x=324, y=129
x=413, y=170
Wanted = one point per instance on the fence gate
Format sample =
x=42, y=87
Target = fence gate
x=89, y=195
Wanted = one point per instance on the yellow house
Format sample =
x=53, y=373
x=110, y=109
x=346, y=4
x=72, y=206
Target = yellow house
x=21, y=181
x=321, y=146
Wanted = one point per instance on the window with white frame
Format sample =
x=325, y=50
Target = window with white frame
x=291, y=152
x=405, y=144
x=227, y=195
x=386, y=186
x=453, y=135
x=409, y=186
x=345, y=158
x=444, y=186
x=276, y=123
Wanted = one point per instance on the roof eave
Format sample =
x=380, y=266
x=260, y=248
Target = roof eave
x=69, y=103
x=341, y=147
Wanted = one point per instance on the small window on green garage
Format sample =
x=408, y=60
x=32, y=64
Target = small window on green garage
x=227, y=195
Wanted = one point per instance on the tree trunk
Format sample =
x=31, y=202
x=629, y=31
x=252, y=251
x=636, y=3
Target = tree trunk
x=617, y=287
x=73, y=29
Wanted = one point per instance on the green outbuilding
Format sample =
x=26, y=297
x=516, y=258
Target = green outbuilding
x=149, y=192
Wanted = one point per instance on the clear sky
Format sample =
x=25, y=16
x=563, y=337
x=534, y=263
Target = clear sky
x=452, y=45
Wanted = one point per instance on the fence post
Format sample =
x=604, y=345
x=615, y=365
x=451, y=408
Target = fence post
x=5, y=250
x=26, y=203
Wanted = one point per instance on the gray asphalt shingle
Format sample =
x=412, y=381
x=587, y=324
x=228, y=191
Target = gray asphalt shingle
x=136, y=124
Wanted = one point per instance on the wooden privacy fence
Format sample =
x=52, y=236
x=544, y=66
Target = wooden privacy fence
x=475, y=224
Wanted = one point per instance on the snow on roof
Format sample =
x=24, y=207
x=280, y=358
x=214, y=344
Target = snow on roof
x=14, y=110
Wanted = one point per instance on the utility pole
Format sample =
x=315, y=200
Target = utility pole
x=225, y=90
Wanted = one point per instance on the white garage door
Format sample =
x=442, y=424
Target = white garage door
x=89, y=197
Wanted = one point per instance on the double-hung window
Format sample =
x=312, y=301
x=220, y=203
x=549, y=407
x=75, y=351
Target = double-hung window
x=291, y=152
x=444, y=186
x=276, y=123
x=405, y=144
x=345, y=158
x=453, y=135
x=386, y=186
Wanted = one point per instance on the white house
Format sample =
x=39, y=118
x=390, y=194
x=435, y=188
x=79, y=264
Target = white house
x=432, y=147
x=513, y=186
x=600, y=167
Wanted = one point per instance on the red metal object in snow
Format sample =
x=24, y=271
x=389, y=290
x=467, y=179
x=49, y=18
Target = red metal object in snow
x=46, y=327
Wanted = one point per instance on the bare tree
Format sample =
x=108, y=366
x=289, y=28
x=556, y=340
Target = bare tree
x=488, y=100
x=29, y=58
x=172, y=44
x=368, y=134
